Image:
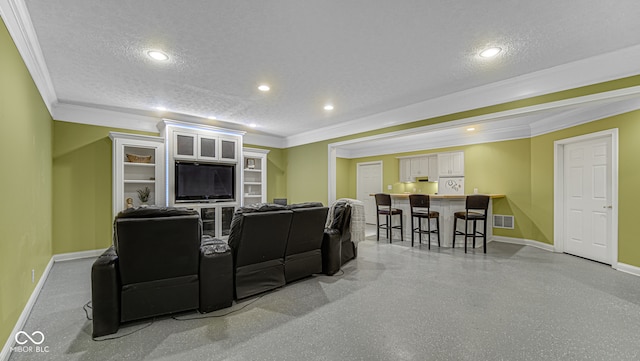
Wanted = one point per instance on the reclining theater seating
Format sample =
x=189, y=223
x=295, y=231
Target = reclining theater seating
x=337, y=247
x=154, y=267
x=275, y=244
x=303, y=255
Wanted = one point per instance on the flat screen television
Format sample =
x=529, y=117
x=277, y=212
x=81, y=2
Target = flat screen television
x=204, y=182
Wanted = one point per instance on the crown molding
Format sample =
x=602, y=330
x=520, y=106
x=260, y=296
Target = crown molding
x=103, y=117
x=597, y=69
x=18, y=21
x=264, y=140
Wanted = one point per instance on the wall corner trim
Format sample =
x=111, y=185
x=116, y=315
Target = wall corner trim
x=6, y=349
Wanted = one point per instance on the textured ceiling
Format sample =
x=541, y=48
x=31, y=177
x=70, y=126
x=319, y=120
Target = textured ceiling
x=364, y=56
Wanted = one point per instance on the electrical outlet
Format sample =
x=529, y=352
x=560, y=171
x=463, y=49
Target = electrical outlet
x=389, y=187
x=33, y=276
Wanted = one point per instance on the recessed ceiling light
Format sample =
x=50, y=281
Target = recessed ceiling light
x=253, y=125
x=211, y=117
x=471, y=129
x=328, y=107
x=490, y=52
x=157, y=55
x=264, y=88
x=161, y=108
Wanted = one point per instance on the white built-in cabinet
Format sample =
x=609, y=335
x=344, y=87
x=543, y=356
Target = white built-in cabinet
x=204, y=147
x=138, y=163
x=422, y=167
x=451, y=164
x=254, y=184
x=205, y=144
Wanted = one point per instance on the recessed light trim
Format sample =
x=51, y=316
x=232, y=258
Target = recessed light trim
x=490, y=52
x=158, y=55
x=328, y=107
x=253, y=125
x=264, y=88
x=161, y=108
x=471, y=129
x=211, y=117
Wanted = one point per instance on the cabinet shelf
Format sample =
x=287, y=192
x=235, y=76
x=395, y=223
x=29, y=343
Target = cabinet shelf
x=253, y=170
x=139, y=181
x=253, y=183
x=132, y=164
x=253, y=195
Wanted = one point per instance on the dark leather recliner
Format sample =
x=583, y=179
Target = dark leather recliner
x=258, y=238
x=303, y=255
x=337, y=247
x=275, y=244
x=153, y=268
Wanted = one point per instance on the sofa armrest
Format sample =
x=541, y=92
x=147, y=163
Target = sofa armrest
x=105, y=293
x=331, y=251
x=215, y=275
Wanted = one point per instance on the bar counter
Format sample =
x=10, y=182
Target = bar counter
x=446, y=205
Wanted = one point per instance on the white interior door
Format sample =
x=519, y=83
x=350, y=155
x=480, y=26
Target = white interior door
x=588, y=199
x=369, y=181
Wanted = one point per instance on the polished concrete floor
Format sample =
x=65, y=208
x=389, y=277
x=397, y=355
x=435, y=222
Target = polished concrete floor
x=393, y=303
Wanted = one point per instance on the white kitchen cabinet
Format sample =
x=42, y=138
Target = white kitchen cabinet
x=405, y=170
x=419, y=167
x=433, y=168
x=425, y=166
x=451, y=164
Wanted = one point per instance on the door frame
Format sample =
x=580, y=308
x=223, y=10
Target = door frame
x=558, y=190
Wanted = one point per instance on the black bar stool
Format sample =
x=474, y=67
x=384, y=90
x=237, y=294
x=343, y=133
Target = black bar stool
x=383, y=207
x=476, y=202
x=421, y=209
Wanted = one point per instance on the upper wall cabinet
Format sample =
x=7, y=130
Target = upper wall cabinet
x=425, y=166
x=451, y=164
x=204, y=147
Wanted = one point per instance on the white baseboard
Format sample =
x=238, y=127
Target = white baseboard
x=524, y=242
x=77, y=255
x=6, y=350
x=627, y=268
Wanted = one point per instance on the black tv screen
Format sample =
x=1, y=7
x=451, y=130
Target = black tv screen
x=205, y=182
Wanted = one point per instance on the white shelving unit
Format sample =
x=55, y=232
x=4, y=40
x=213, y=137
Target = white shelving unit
x=131, y=176
x=254, y=184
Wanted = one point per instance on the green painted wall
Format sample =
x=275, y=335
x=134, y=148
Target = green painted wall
x=82, y=186
x=307, y=173
x=25, y=184
x=344, y=188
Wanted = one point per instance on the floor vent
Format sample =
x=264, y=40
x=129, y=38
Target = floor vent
x=502, y=221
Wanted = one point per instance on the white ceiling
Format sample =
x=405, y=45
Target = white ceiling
x=374, y=60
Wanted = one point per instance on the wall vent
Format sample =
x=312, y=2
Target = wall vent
x=502, y=221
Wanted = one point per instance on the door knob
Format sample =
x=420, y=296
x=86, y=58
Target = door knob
x=607, y=206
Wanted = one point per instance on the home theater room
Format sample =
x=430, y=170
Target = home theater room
x=319, y=180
